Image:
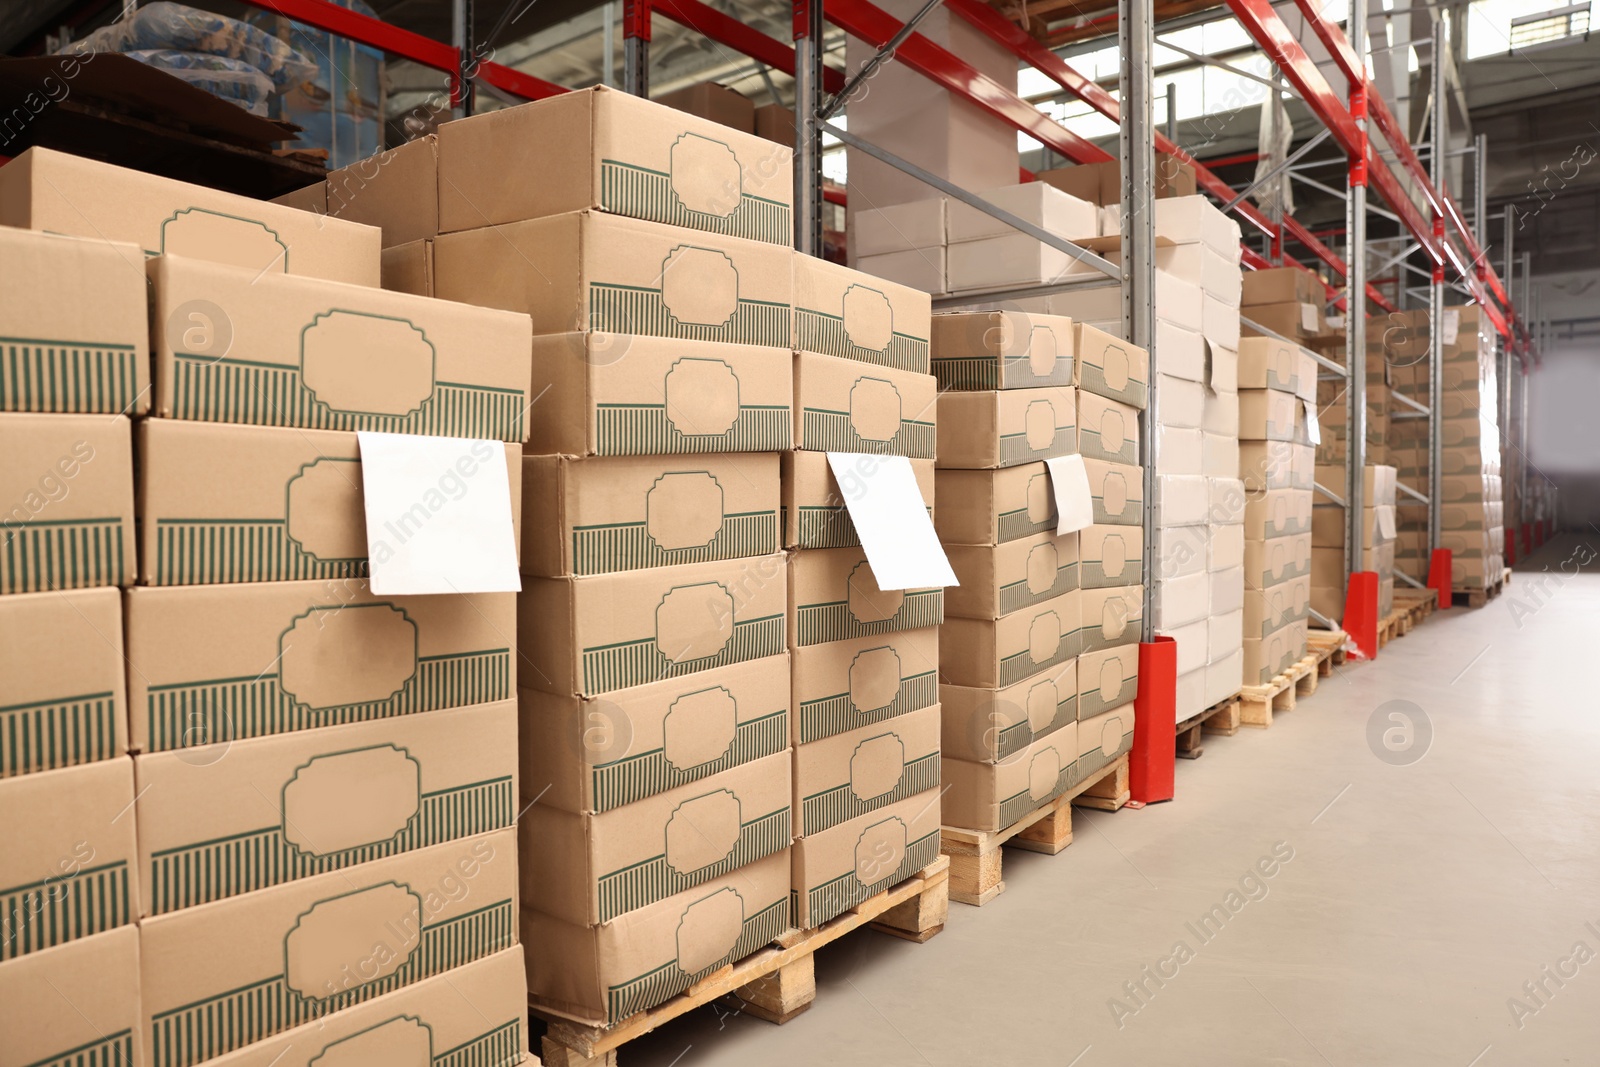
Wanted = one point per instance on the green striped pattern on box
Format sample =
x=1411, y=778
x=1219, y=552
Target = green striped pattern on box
x=214, y=551
x=635, y=309
x=1015, y=807
x=627, y=546
x=835, y=714
x=641, y=193
x=646, y=430
x=1093, y=446
x=829, y=527
x=66, y=377
x=1018, y=736
x=1020, y=665
x=819, y=332
x=500, y=1047
x=1016, y=524
x=57, y=733
x=1098, y=760
x=37, y=557
x=184, y=714
x=1014, y=595
x=846, y=891
x=967, y=372
x=1092, y=379
x=225, y=867
x=667, y=981
x=641, y=662
x=821, y=623
x=654, y=879
x=208, y=1028
x=644, y=775
x=208, y=389
x=831, y=431
x=54, y=911
x=1093, y=575
x=113, y=1050
x=833, y=806
x=1015, y=449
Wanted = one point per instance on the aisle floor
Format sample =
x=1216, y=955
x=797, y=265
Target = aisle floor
x=1418, y=900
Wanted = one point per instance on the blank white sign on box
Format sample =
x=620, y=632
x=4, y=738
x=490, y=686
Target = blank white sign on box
x=1313, y=428
x=1069, y=480
x=438, y=515
x=890, y=517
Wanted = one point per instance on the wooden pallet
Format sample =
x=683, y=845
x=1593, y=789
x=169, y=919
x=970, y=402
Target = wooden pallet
x=1477, y=598
x=1420, y=603
x=1258, y=702
x=975, y=854
x=1220, y=718
x=776, y=983
x=1395, y=624
x=1329, y=645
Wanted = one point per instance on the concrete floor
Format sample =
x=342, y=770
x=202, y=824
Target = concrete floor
x=1419, y=900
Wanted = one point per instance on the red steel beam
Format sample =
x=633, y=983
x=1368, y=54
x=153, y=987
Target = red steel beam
x=1333, y=40
x=741, y=38
x=1262, y=22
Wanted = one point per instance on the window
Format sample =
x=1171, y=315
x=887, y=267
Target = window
x=1545, y=27
x=1495, y=27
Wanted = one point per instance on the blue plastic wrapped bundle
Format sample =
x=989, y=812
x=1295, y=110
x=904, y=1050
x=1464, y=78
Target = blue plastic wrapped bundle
x=233, y=80
x=164, y=26
x=340, y=108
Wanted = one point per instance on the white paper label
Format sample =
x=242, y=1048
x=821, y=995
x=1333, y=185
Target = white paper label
x=438, y=515
x=881, y=494
x=1335, y=322
x=1386, y=523
x=1452, y=325
x=1074, y=503
x=1308, y=318
x=1313, y=430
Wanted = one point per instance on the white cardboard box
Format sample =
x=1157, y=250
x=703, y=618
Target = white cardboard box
x=1182, y=500
x=878, y=231
x=1040, y=203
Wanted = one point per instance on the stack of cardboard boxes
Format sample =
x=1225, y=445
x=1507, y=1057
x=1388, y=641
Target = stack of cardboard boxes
x=1039, y=656
x=1329, y=534
x=322, y=773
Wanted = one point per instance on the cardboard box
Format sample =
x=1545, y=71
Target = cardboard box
x=1227, y=589
x=67, y=487
x=1267, y=415
x=996, y=580
x=992, y=796
x=1116, y=491
x=1005, y=428
x=319, y=944
x=1278, y=512
x=993, y=725
x=1002, y=350
x=63, y=351
x=1266, y=657
x=603, y=149
x=1268, y=363
x=609, y=395
x=1268, y=563
x=588, y=270
x=1192, y=220
x=843, y=405
x=61, y=658
x=1222, y=368
x=1225, y=633
x=605, y=514
x=1101, y=183
x=1108, y=430
x=1266, y=465
x=67, y=871
x=899, y=228
x=602, y=974
x=916, y=268
x=75, y=1003
x=995, y=506
x=715, y=103
x=599, y=633
x=1225, y=547
x=1182, y=350
x=845, y=313
x=1226, y=499
x=1193, y=649
x=843, y=685
x=1219, y=455
x=834, y=596
x=839, y=868
x=476, y=1011
x=43, y=189
x=1107, y=679
x=1180, y=303
x=287, y=351
x=1004, y=261
x=1220, y=414
x=1274, y=607
x=221, y=502
x=1102, y=739
x=1296, y=321
x=1037, y=202
x=814, y=511
x=590, y=868
x=1110, y=367
x=1110, y=617
x=269, y=810
x=312, y=198
x=1223, y=679
x=1302, y=465
x=1179, y=601
x=996, y=653
x=1109, y=556
x=1219, y=321
x=776, y=123
x=865, y=769
x=408, y=268
x=214, y=664
x=1306, y=372
x=396, y=190
x=1180, y=403
x=1183, y=500
x=1180, y=551
x=1278, y=284
x=1180, y=451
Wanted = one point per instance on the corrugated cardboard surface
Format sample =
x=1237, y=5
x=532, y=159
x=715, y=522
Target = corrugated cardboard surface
x=990, y=725
x=842, y=405
x=617, y=395
x=603, y=973
x=864, y=769
x=331, y=941
x=1003, y=350
x=220, y=502
x=75, y=1003
x=842, y=685
x=724, y=106
x=899, y=228
x=1267, y=415
x=599, y=515
x=212, y=664
x=1268, y=363
x=844, y=865
x=605, y=149
x=72, y=327
x=833, y=596
x=219, y=822
x=1276, y=512
x=1110, y=617
x=992, y=796
x=66, y=693
x=1270, y=609
x=47, y=190
x=67, y=488
x=599, y=753
x=476, y=1013
x=1103, y=738
x=995, y=506
x=1116, y=491
x=1107, y=679
x=814, y=510
x=396, y=190
x=1266, y=464
x=1109, y=430
x=990, y=654
x=281, y=351
x=845, y=313
x=999, y=579
x=408, y=268
x=591, y=271
x=1037, y=202
x=1266, y=656
x=1006, y=427
x=591, y=868
x=1267, y=563
x=67, y=871
x=606, y=632
x=1281, y=283
x=1110, y=556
